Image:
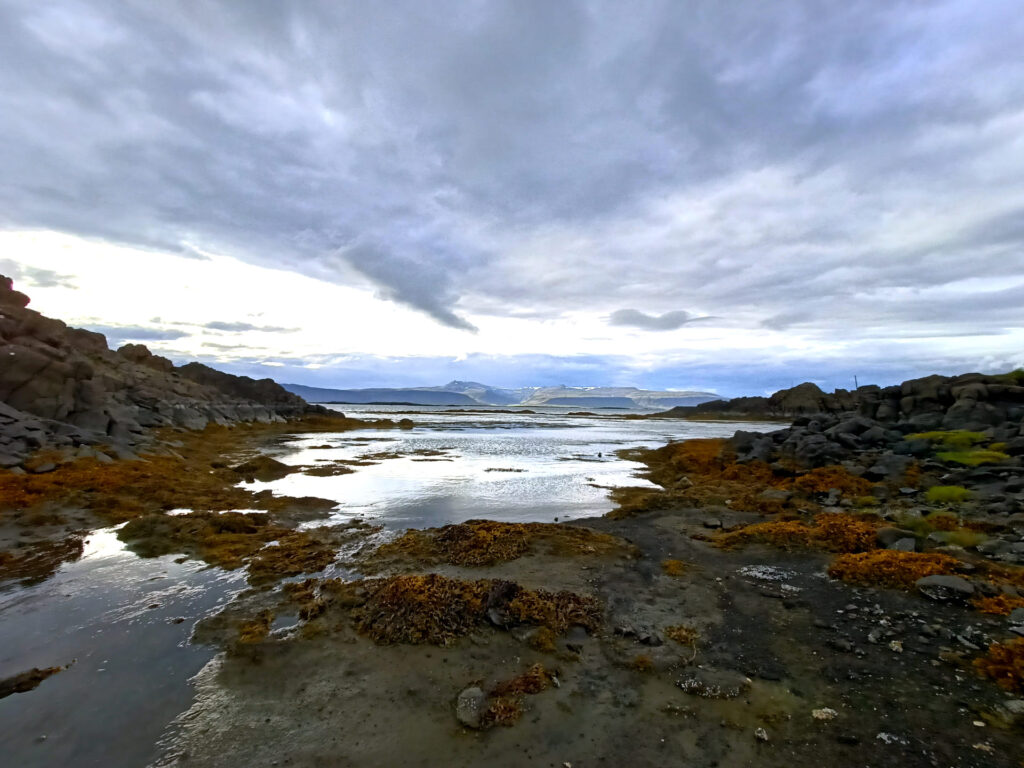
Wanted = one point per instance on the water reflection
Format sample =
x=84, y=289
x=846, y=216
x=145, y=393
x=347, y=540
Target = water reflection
x=454, y=466
x=125, y=623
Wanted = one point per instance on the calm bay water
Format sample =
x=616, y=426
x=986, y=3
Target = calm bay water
x=456, y=466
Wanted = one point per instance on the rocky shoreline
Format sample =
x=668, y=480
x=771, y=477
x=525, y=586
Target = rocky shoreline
x=64, y=392
x=816, y=594
x=848, y=589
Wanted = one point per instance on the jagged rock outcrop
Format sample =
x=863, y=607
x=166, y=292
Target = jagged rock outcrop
x=63, y=387
x=970, y=401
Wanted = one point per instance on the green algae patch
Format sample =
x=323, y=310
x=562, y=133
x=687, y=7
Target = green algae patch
x=974, y=457
x=960, y=446
x=950, y=439
x=947, y=494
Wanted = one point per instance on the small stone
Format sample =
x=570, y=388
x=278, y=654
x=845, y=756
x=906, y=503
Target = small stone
x=824, y=714
x=715, y=684
x=761, y=734
x=469, y=708
x=841, y=645
x=1015, y=707
x=896, y=646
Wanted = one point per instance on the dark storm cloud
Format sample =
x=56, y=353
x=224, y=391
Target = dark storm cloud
x=670, y=321
x=838, y=167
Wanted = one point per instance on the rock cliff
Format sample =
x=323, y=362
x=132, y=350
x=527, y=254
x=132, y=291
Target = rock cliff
x=63, y=388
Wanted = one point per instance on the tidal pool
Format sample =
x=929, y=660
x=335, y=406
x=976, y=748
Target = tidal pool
x=455, y=466
x=122, y=623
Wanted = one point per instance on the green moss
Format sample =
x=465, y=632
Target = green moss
x=973, y=457
x=1014, y=378
x=947, y=494
x=965, y=538
x=950, y=440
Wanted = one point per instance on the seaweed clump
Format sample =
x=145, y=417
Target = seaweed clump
x=506, y=698
x=38, y=561
x=487, y=542
x=255, y=630
x=437, y=610
x=1000, y=605
x=295, y=553
x=1004, y=663
x=196, y=476
x=674, y=568
x=705, y=472
x=225, y=539
x=890, y=568
x=682, y=634
x=829, y=532
x=26, y=681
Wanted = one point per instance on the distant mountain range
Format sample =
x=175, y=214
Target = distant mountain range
x=474, y=393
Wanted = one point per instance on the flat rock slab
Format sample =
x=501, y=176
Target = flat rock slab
x=945, y=588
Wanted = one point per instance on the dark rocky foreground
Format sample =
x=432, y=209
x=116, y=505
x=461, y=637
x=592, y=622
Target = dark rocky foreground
x=61, y=388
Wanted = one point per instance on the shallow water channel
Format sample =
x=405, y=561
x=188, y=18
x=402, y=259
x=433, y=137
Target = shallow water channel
x=123, y=623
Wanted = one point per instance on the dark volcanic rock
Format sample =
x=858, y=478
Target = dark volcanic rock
x=62, y=386
x=945, y=588
x=870, y=416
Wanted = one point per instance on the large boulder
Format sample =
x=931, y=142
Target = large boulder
x=9, y=296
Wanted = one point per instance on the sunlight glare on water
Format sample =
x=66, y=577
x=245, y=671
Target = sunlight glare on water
x=454, y=467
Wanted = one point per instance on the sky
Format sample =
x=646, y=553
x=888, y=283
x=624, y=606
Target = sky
x=733, y=197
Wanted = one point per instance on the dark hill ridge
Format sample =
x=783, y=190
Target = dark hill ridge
x=382, y=396
x=63, y=387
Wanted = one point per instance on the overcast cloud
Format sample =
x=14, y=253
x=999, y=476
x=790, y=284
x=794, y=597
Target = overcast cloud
x=848, y=173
